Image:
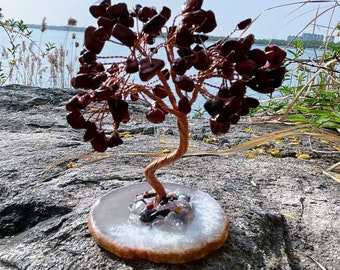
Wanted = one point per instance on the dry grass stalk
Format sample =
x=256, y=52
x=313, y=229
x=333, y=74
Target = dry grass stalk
x=302, y=130
x=33, y=66
x=330, y=172
x=43, y=26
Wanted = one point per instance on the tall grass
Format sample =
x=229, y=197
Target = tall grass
x=311, y=93
x=28, y=62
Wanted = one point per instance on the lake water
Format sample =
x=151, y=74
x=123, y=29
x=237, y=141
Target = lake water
x=26, y=71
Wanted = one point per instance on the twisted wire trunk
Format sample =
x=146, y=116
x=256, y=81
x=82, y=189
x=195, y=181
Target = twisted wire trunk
x=182, y=124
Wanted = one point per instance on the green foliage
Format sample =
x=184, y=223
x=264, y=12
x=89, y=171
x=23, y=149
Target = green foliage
x=49, y=47
x=299, y=49
x=25, y=61
x=199, y=112
x=14, y=30
x=314, y=95
x=319, y=104
x=317, y=117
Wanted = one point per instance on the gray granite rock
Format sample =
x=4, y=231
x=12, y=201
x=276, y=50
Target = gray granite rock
x=284, y=212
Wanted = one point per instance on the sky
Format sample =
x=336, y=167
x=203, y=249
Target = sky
x=276, y=19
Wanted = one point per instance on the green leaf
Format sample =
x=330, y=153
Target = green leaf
x=298, y=118
x=330, y=125
x=320, y=121
x=301, y=108
x=322, y=113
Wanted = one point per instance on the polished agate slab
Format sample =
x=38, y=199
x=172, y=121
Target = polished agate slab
x=114, y=229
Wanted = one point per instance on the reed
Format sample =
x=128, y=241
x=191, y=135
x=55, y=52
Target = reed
x=310, y=93
x=28, y=62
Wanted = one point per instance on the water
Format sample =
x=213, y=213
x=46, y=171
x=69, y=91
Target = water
x=51, y=72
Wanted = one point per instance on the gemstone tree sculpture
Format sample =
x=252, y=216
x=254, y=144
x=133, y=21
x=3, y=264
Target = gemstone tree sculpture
x=167, y=65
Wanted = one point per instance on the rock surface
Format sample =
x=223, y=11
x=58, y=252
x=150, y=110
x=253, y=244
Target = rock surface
x=284, y=211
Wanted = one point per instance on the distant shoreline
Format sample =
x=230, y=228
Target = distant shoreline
x=279, y=42
x=58, y=28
